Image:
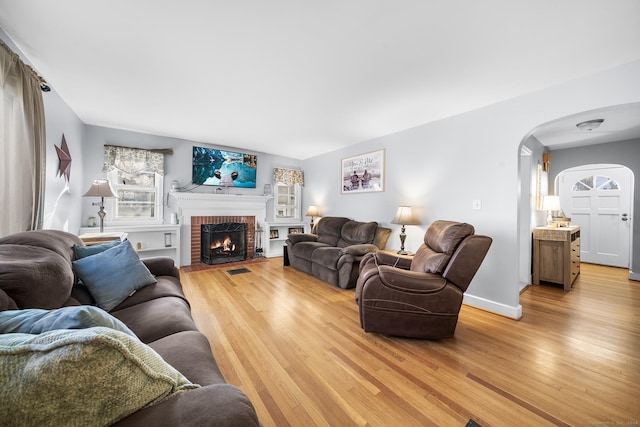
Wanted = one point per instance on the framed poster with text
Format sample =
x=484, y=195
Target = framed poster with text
x=363, y=173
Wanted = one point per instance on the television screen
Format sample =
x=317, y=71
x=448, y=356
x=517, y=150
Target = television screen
x=223, y=168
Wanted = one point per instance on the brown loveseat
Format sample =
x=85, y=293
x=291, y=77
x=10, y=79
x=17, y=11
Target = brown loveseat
x=36, y=273
x=334, y=252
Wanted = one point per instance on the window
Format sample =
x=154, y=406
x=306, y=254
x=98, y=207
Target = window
x=137, y=179
x=596, y=182
x=287, y=201
x=139, y=196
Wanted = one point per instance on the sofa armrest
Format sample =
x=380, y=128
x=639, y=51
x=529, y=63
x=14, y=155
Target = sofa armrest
x=412, y=281
x=162, y=266
x=212, y=405
x=302, y=237
x=359, y=250
x=394, y=260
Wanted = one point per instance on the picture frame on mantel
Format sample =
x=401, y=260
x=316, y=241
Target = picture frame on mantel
x=363, y=173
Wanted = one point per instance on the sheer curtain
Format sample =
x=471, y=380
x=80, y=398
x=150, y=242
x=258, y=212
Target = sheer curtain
x=22, y=145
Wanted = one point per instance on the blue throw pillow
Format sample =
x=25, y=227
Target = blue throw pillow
x=85, y=251
x=37, y=321
x=113, y=275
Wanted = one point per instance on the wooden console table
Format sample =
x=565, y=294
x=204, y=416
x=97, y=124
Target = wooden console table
x=556, y=255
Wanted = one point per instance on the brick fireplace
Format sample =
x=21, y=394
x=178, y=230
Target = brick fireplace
x=197, y=221
x=195, y=209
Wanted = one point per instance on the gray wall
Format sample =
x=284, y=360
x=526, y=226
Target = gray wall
x=177, y=165
x=440, y=167
x=62, y=208
x=626, y=153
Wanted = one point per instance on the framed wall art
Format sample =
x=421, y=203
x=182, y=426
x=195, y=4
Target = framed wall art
x=363, y=173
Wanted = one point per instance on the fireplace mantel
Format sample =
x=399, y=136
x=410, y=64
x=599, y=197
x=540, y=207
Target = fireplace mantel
x=202, y=204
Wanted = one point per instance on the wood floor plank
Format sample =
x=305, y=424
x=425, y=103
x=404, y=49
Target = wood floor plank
x=294, y=345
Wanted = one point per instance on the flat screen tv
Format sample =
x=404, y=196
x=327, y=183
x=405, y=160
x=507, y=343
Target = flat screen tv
x=223, y=168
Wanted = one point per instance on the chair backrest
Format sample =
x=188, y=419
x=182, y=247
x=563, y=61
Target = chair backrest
x=452, y=250
x=441, y=240
x=466, y=260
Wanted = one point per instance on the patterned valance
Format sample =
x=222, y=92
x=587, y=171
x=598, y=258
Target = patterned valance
x=132, y=160
x=288, y=176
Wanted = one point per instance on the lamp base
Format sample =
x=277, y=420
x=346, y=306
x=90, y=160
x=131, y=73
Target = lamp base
x=403, y=236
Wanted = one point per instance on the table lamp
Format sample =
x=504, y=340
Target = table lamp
x=312, y=212
x=100, y=188
x=404, y=216
x=550, y=204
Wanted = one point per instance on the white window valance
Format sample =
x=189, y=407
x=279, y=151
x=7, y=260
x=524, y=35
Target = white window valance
x=288, y=176
x=132, y=160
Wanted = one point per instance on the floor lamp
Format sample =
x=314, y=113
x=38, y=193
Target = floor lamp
x=100, y=188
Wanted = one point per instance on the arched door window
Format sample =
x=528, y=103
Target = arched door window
x=596, y=182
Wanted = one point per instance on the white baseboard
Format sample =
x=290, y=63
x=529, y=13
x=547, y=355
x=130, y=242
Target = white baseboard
x=634, y=276
x=494, y=307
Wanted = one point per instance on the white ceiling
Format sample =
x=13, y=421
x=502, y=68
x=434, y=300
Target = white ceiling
x=300, y=78
x=621, y=122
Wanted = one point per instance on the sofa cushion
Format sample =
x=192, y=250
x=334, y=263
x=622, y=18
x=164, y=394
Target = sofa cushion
x=113, y=275
x=165, y=286
x=93, y=376
x=37, y=321
x=57, y=241
x=327, y=257
x=198, y=364
x=305, y=250
x=157, y=318
x=85, y=251
x=355, y=233
x=35, y=277
x=329, y=229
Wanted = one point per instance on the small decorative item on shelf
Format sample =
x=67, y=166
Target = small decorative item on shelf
x=296, y=230
x=274, y=234
x=91, y=222
x=138, y=245
x=167, y=240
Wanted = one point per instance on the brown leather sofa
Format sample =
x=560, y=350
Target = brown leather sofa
x=420, y=297
x=36, y=272
x=334, y=251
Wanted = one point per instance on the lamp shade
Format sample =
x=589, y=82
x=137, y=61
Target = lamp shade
x=100, y=188
x=551, y=203
x=312, y=211
x=404, y=216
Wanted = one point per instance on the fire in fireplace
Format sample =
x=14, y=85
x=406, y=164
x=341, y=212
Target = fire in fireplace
x=222, y=243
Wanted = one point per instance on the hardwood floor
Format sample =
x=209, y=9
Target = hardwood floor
x=295, y=346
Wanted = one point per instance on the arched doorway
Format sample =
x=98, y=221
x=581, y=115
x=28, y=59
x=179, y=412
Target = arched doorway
x=625, y=120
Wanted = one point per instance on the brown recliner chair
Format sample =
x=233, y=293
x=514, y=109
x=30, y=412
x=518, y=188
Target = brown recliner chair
x=420, y=297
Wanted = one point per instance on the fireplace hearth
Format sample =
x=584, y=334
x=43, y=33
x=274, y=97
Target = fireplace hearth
x=223, y=243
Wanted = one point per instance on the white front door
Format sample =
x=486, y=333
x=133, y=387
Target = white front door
x=598, y=199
